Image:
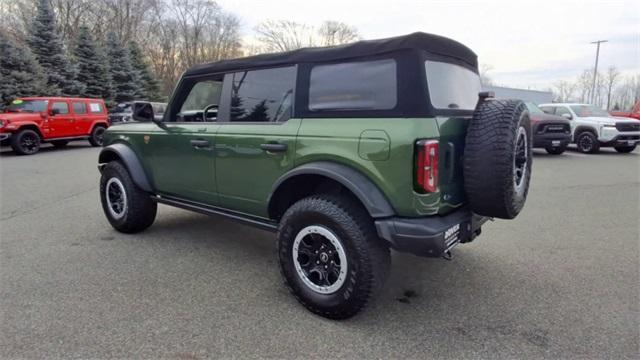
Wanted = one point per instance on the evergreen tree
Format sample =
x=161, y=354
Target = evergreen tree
x=93, y=70
x=149, y=86
x=48, y=50
x=122, y=73
x=237, y=111
x=20, y=73
x=259, y=112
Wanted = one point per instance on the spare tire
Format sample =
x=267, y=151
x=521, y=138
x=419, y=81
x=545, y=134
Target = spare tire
x=497, y=158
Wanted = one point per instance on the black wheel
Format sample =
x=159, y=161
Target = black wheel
x=587, y=143
x=59, y=143
x=625, y=149
x=556, y=150
x=497, y=159
x=97, y=135
x=25, y=142
x=128, y=208
x=330, y=255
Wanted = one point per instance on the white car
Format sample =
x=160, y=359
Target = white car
x=592, y=127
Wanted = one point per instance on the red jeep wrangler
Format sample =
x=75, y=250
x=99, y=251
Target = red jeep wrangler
x=633, y=114
x=28, y=122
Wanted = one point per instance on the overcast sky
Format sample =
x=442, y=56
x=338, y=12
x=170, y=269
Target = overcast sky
x=528, y=43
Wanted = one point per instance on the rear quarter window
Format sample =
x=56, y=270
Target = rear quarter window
x=452, y=87
x=96, y=108
x=366, y=85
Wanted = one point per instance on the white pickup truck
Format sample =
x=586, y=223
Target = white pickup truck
x=592, y=127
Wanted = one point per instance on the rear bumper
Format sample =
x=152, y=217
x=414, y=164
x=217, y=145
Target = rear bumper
x=430, y=236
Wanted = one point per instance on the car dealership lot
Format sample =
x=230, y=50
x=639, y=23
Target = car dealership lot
x=559, y=281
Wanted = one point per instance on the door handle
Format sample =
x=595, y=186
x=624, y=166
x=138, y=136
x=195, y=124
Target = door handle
x=200, y=143
x=274, y=147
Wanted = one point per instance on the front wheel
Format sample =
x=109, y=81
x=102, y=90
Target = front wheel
x=128, y=208
x=588, y=143
x=555, y=150
x=25, y=142
x=330, y=255
x=625, y=149
x=97, y=135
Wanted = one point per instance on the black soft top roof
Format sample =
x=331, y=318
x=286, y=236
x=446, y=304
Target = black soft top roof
x=433, y=44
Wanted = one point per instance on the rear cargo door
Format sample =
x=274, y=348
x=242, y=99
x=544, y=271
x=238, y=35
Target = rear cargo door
x=453, y=92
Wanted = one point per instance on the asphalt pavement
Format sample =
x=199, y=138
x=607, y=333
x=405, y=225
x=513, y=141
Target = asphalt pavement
x=560, y=281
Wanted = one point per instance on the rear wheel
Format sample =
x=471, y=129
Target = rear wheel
x=25, y=142
x=128, y=208
x=59, y=143
x=625, y=149
x=587, y=143
x=497, y=159
x=556, y=150
x=330, y=255
x=97, y=135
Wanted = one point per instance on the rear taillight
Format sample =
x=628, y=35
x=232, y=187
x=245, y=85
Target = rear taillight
x=427, y=165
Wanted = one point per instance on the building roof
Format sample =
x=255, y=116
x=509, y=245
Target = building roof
x=430, y=43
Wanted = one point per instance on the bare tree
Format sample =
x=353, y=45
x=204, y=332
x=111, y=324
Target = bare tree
x=584, y=85
x=337, y=33
x=284, y=35
x=563, y=91
x=611, y=78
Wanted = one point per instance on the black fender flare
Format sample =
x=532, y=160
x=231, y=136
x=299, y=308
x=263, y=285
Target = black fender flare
x=124, y=153
x=364, y=189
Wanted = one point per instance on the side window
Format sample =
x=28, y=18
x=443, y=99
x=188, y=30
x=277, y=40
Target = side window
x=96, y=108
x=79, y=108
x=547, y=109
x=60, y=107
x=204, y=94
x=368, y=85
x=258, y=95
x=561, y=110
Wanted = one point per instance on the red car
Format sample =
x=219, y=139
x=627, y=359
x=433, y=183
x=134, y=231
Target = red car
x=634, y=114
x=28, y=122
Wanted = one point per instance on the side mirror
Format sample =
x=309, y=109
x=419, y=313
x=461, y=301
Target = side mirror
x=567, y=116
x=54, y=112
x=142, y=111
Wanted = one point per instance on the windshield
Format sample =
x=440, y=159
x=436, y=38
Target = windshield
x=588, y=110
x=533, y=108
x=27, y=106
x=452, y=86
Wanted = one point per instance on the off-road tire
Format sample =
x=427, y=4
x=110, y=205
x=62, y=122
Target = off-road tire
x=587, y=143
x=59, y=143
x=498, y=147
x=624, y=149
x=19, y=145
x=95, y=138
x=140, y=210
x=367, y=256
x=556, y=150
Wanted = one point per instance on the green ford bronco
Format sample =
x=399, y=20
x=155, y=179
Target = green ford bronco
x=344, y=152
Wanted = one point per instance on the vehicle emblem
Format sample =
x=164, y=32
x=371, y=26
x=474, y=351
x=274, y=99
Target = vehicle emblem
x=146, y=139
